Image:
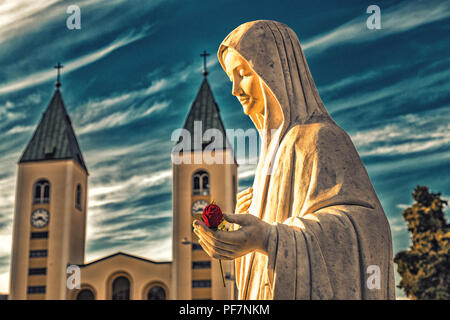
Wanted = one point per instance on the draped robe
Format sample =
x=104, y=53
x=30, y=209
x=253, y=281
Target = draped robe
x=330, y=231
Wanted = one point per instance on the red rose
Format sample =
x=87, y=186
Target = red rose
x=212, y=215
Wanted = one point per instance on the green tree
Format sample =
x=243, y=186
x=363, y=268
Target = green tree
x=425, y=267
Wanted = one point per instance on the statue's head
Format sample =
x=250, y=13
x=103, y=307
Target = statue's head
x=246, y=83
x=270, y=76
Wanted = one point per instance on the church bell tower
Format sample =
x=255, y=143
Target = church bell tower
x=49, y=227
x=195, y=184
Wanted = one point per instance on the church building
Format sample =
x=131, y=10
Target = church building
x=49, y=225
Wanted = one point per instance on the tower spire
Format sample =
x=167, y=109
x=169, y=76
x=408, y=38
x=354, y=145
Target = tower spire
x=54, y=137
x=59, y=66
x=204, y=55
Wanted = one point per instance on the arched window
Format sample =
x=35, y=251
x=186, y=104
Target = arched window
x=41, y=192
x=78, y=197
x=121, y=289
x=200, y=183
x=85, y=294
x=156, y=293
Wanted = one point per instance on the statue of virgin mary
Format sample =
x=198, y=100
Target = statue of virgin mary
x=314, y=228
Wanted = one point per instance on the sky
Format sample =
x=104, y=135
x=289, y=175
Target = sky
x=133, y=69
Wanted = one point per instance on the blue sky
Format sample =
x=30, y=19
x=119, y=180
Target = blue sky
x=133, y=70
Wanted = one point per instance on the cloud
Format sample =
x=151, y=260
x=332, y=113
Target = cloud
x=126, y=107
x=16, y=14
x=246, y=170
x=4, y=282
x=120, y=190
x=403, y=206
x=156, y=250
x=5, y=244
x=127, y=200
x=13, y=113
x=7, y=184
x=424, y=87
x=36, y=34
x=129, y=230
x=47, y=75
x=406, y=135
x=403, y=17
x=397, y=224
x=355, y=81
x=22, y=17
x=120, y=118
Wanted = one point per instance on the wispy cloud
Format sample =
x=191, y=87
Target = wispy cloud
x=6, y=210
x=128, y=199
x=44, y=76
x=355, y=80
x=107, y=112
x=396, y=19
x=22, y=17
x=127, y=226
x=17, y=13
x=424, y=87
x=120, y=118
x=406, y=135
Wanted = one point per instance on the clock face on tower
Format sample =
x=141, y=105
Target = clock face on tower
x=39, y=218
x=198, y=206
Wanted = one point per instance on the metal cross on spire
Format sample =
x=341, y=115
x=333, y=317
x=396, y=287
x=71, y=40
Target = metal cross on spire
x=59, y=66
x=204, y=55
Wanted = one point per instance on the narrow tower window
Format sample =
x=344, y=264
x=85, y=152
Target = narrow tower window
x=200, y=183
x=78, y=197
x=42, y=192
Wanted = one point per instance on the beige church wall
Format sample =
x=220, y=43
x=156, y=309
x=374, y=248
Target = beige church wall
x=222, y=189
x=20, y=243
x=62, y=174
x=78, y=218
x=142, y=274
x=181, y=254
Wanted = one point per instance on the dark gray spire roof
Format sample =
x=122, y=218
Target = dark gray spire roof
x=205, y=109
x=54, y=137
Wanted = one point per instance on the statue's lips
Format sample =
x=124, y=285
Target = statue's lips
x=244, y=100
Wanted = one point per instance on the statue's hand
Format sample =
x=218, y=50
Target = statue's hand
x=228, y=245
x=244, y=200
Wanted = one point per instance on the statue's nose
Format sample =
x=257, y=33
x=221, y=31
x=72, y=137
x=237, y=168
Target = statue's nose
x=237, y=90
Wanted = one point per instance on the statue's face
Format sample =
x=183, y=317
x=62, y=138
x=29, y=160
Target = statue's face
x=246, y=83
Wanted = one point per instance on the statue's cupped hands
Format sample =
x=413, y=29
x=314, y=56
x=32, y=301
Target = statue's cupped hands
x=252, y=235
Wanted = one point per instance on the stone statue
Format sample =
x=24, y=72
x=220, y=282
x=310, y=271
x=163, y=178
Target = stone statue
x=312, y=226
